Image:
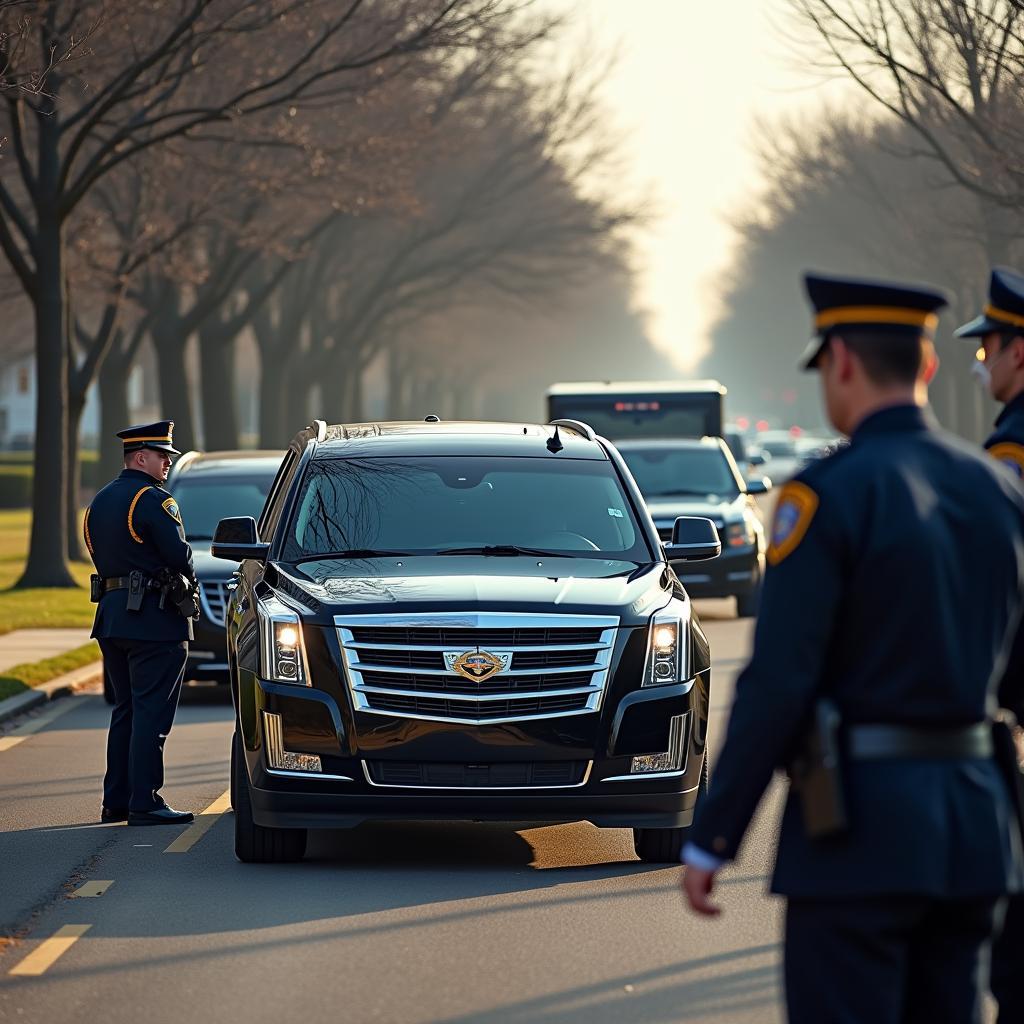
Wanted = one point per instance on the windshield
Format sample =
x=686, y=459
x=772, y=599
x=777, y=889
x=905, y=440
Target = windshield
x=638, y=417
x=669, y=472
x=204, y=502
x=426, y=506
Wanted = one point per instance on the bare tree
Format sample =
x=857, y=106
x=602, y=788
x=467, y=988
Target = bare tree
x=156, y=74
x=846, y=197
x=948, y=69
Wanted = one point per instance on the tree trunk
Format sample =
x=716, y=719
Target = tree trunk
x=217, y=388
x=47, y=564
x=175, y=399
x=76, y=549
x=114, y=412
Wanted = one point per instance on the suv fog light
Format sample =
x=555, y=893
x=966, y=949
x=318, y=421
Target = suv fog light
x=285, y=760
x=670, y=760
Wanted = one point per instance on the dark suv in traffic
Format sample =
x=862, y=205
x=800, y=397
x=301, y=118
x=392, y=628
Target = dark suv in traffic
x=699, y=477
x=472, y=621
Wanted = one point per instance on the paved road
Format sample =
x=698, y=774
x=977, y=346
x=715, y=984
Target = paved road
x=391, y=922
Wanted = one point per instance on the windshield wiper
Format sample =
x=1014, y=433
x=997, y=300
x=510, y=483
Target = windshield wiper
x=199, y=536
x=682, y=493
x=500, y=549
x=354, y=553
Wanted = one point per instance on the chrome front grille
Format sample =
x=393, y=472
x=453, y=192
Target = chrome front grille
x=557, y=665
x=213, y=596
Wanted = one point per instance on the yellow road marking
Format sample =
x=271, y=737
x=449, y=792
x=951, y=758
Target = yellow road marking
x=96, y=888
x=13, y=738
x=44, y=956
x=203, y=823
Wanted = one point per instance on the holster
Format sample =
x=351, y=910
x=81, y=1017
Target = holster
x=816, y=774
x=1005, y=752
x=137, y=586
x=95, y=588
x=181, y=591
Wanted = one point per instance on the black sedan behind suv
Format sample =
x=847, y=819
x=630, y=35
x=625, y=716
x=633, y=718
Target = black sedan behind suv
x=701, y=478
x=209, y=486
x=472, y=621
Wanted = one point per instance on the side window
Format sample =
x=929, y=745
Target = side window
x=276, y=497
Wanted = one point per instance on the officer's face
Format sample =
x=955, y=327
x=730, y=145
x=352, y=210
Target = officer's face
x=1004, y=365
x=156, y=464
x=832, y=392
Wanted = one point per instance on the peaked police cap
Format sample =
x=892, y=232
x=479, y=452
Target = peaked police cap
x=1004, y=311
x=149, y=435
x=885, y=308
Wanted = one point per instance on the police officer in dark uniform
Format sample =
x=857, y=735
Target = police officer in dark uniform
x=999, y=332
x=1000, y=363
x=893, y=591
x=144, y=578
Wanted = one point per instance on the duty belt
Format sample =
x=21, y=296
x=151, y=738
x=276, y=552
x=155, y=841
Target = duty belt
x=122, y=583
x=876, y=742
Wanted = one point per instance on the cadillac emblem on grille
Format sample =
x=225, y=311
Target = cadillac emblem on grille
x=477, y=665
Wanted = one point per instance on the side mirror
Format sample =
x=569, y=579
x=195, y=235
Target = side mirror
x=759, y=486
x=693, y=540
x=236, y=540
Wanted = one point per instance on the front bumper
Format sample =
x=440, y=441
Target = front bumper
x=352, y=750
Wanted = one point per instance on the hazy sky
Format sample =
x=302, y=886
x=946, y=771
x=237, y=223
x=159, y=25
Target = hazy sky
x=692, y=78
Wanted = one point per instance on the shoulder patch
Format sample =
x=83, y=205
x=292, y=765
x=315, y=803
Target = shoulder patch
x=1009, y=454
x=170, y=506
x=793, y=514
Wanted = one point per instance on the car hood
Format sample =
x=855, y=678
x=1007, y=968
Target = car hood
x=207, y=567
x=429, y=585
x=668, y=509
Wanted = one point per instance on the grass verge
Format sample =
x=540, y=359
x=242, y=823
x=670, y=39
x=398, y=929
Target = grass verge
x=20, y=678
x=42, y=606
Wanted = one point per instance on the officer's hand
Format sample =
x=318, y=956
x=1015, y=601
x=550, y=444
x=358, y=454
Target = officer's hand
x=697, y=886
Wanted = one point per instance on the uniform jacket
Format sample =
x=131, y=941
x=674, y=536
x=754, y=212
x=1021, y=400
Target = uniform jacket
x=893, y=587
x=1007, y=441
x=1006, y=444
x=133, y=523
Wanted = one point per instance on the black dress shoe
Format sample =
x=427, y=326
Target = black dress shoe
x=161, y=816
x=108, y=814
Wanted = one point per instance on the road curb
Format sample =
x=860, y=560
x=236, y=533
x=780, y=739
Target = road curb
x=61, y=686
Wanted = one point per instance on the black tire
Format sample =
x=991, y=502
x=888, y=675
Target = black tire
x=665, y=845
x=256, y=844
x=108, y=690
x=749, y=604
x=233, y=773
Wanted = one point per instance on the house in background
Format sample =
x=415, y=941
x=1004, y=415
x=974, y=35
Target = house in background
x=18, y=404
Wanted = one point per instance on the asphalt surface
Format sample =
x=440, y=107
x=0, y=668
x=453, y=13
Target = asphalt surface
x=440, y=922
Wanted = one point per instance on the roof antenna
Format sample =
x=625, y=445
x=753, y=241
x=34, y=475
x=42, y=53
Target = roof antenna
x=555, y=441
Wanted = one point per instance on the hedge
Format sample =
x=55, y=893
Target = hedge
x=16, y=479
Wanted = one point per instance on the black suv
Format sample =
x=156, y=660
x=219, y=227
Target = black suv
x=473, y=621
x=700, y=478
x=209, y=486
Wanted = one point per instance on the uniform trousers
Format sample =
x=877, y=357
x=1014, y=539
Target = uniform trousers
x=1008, y=965
x=888, y=959
x=146, y=678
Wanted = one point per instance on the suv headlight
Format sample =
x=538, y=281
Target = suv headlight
x=668, y=659
x=282, y=651
x=739, y=535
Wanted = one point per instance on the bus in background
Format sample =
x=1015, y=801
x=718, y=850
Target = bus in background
x=619, y=410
